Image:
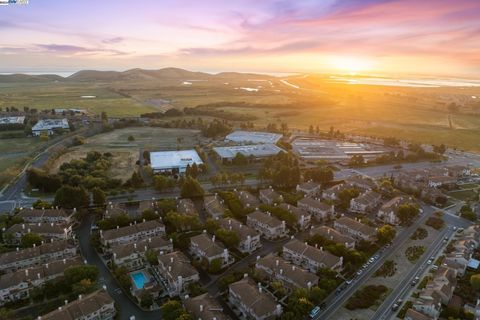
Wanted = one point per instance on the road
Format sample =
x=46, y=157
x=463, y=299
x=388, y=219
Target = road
x=334, y=302
x=125, y=306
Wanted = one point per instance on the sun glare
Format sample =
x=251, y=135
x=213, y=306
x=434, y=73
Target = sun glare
x=351, y=64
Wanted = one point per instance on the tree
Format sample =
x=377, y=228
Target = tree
x=149, y=214
x=41, y=204
x=146, y=299
x=386, y=234
x=440, y=149
x=191, y=188
x=215, y=266
x=356, y=161
x=406, y=213
x=161, y=182
x=239, y=159
x=475, y=281
x=152, y=257
x=71, y=197
x=75, y=274
x=228, y=237
x=321, y=175
x=346, y=195
x=30, y=239
x=172, y=310
x=131, y=138
x=99, y=197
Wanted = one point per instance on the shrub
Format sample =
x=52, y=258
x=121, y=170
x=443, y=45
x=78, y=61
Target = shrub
x=366, y=297
x=414, y=252
x=435, y=222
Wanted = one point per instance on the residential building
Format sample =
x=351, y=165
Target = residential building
x=16, y=285
x=366, y=202
x=214, y=206
x=45, y=216
x=332, y=193
x=355, y=229
x=302, y=217
x=204, y=248
x=333, y=235
x=50, y=251
x=388, y=211
x=270, y=196
x=97, y=305
x=48, y=231
x=132, y=233
x=311, y=258
x=415, y=315
x=247, y=199
x=252, y=301
x=362, y=182
x=186, y=206
x=267, y=225
x=48, y=126
x=428, y=303
x=204, y=307
x=175, y=272
x=309, y=188
x=132, y=255
x=249, y=238
x=318, y=209
x=276, y=268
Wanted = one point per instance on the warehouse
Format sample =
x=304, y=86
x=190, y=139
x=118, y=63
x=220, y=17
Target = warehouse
x=257, y=151
x=48, y=126
x=253, y=137
x=314, y=149
x=173, y=161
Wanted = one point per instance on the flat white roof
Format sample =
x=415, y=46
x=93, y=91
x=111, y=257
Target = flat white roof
x=254, y=137
x=167, y=160
x=48, y=124
x=12, y=120
x=256, y=150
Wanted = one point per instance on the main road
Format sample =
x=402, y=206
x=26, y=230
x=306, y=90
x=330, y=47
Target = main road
x=337, y=299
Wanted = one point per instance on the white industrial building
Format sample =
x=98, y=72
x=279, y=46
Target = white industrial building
x=312, y=148
x=173, y=161
x=48, y=126
x=12, y=120
x=253, y=137
x=258, y=151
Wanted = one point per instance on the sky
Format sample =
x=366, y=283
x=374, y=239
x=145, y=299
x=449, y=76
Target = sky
x=430, y=37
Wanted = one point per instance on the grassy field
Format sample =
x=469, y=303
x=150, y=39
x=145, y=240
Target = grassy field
x=465, y=195
x=125, y=152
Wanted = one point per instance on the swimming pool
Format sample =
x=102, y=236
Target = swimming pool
x=139, y=279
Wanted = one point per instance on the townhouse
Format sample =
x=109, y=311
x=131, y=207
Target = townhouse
x=175, y=273
x=388, y=211
x=309, y=188
x=355, y=229
x=132, y=233
x=252, y=301
x=269, y=196
x=362, y=182
x=132, y=255
x=48, y=231
x=331, y=194
x=275, y=268
x=249, y=238
x=365, y=202
x=97, y=305
x=333, y=235
x=428, y=303
x=247, y=199
x=267, y=225
x=16, y=285
x=311, y=258
x=415, y=315
x=204, y=307
x=302, y=217
x=186, y=206
x=214, y=206
x=20, y=259
x=318, y=209
x=205, y=248
x=31, y=215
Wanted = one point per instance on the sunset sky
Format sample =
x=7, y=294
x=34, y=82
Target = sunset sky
x=436, y=37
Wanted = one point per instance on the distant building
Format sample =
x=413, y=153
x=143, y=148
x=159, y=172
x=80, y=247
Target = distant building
x=302, y=217
x=247, y=199
x=173, y=161
x=309, y=188
x=207, y=249
x=269, y=196
x=333, y=192
x=48, y=231
x=98, y=305
x=8, y=122
x=48, y=126
x=366, y=202
x=355, y=229
x=251, y=152
x=253, y=137
x=132, y=233
x=249, y=238
x=388, y=211
x=205, y=307
x=45, y=215
x=267, y=225
x=252, y=301
x=333, y=235
x=186, y=206
x=214, y=206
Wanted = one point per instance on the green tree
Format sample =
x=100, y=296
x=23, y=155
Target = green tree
x=75, y=274
x=356, y=161
x=131, y=138
x=475, y=281
x=149, y=214
x=239, y=159
x=71, y=197
x=99, y=197
x=146, y=299
x=215, y=266
x=406, y=213
x=228, y=237
x=191, y=188
x=41, y=204
x=346, y=195
x=162, y=183
x=30, y=239
x=152, y=257
x=172, y=310
x=386, y=234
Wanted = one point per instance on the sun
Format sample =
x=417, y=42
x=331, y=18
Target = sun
x=351, y=65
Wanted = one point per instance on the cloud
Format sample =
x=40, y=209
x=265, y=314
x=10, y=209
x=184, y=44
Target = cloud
x=73, y=50
x=113, y=40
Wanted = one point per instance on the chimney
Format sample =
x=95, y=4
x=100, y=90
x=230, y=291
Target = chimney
x=171, y=259
x=135, y=245
x=23, y=226
x=204, y=231
x=18, y=249
x=26, y=272
x=118, y=227
x=64, y=261
x=294, y=268
x=259, y=287
x=245, y=275
x=34, y=245
x=201, y=308
x=65, y=301
x=149, y=240
x=281, y=271
x=46, y=265
x=213, y=238
x=169, y=268
x=38, y=276
x=79, y=297
x=277, y=262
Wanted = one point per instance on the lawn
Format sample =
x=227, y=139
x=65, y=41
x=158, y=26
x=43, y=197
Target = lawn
x=464, y=195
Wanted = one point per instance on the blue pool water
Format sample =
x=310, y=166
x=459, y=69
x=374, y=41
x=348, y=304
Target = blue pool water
x=139, y=279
